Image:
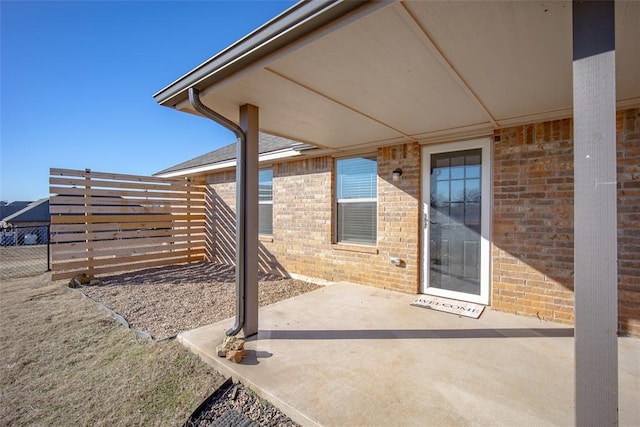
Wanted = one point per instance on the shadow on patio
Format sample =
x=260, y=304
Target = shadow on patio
x=355, y=355
x=415, y=334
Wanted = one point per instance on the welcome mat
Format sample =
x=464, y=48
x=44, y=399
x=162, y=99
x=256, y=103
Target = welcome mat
x=467, y=309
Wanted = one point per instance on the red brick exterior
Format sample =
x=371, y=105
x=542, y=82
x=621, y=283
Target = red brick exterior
x=532, y=255
x=628, y=147
x=303, y=234
x=532, y=214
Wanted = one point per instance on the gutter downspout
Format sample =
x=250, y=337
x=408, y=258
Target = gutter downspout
x=241, y=190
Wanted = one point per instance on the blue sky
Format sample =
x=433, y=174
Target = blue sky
x=77, y=80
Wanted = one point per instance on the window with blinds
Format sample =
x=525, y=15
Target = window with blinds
x=265, y=202
x=357, y=200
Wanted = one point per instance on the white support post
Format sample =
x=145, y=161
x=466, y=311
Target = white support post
x=249, y=124
x=595, y=265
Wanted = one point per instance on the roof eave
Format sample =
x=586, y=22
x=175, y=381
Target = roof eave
x=296, y=22
x=229, y=164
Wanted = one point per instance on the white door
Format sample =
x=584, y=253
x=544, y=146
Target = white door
x=456, y=212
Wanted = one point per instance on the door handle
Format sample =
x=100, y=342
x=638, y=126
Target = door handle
x=427, y=221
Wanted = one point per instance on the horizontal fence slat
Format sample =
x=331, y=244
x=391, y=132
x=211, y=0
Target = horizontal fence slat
x=124, y=210
x=75, y=219
x=103, y=262
x=103, y=253
x=114, y=176
x=94, y=192
x=182, y=187
x=136, y=243
x=125, y=251
x=128, y=234
x=126, y=267
x=114, y=226
x=121, y=201
x=119, y=226
x=106, y=222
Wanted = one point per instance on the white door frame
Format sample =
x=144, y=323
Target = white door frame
x=485, y=221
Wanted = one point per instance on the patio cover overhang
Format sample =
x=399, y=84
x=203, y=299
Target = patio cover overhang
x=357, y=75
x=348, y=75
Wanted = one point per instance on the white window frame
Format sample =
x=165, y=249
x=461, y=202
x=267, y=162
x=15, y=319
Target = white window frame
x=360, y=200
x=266, y=202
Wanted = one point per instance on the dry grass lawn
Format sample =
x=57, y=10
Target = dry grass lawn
x=63, y=361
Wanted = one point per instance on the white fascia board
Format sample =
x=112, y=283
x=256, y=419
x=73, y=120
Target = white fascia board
x=199, y=169
x=274, y=155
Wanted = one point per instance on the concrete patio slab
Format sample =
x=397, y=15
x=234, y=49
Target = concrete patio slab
x=355, y=355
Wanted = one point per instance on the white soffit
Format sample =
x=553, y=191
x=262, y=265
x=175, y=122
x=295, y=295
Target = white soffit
x=286, y=109
x=425, y=71
x=382, y=68
x=516, y=56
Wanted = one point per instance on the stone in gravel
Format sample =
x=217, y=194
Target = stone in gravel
x=80, y=279
x=235, y=419
x=244, y=401
x=235, y=356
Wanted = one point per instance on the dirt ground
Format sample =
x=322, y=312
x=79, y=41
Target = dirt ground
x=63, y=361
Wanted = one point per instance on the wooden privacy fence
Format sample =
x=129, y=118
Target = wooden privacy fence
x=104, y=222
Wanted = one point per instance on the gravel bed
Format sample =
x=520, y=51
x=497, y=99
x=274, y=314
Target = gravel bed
x=235, y=404
x=165, y=301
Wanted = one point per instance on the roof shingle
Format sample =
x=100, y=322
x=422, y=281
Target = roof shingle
x=267, y=144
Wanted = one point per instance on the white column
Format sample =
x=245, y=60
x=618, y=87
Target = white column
x=595, y=265
x=249, y=124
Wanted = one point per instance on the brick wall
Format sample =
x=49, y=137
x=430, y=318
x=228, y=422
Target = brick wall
x=532, y=253
x=398, y=220
x=302, y=194
x=533, y=220
x=303, y=224
x=221, y=216
x=628, y=149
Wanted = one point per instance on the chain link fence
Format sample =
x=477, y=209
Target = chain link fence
x=24, y=251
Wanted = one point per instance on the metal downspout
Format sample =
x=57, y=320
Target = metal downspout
x=241, y=181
